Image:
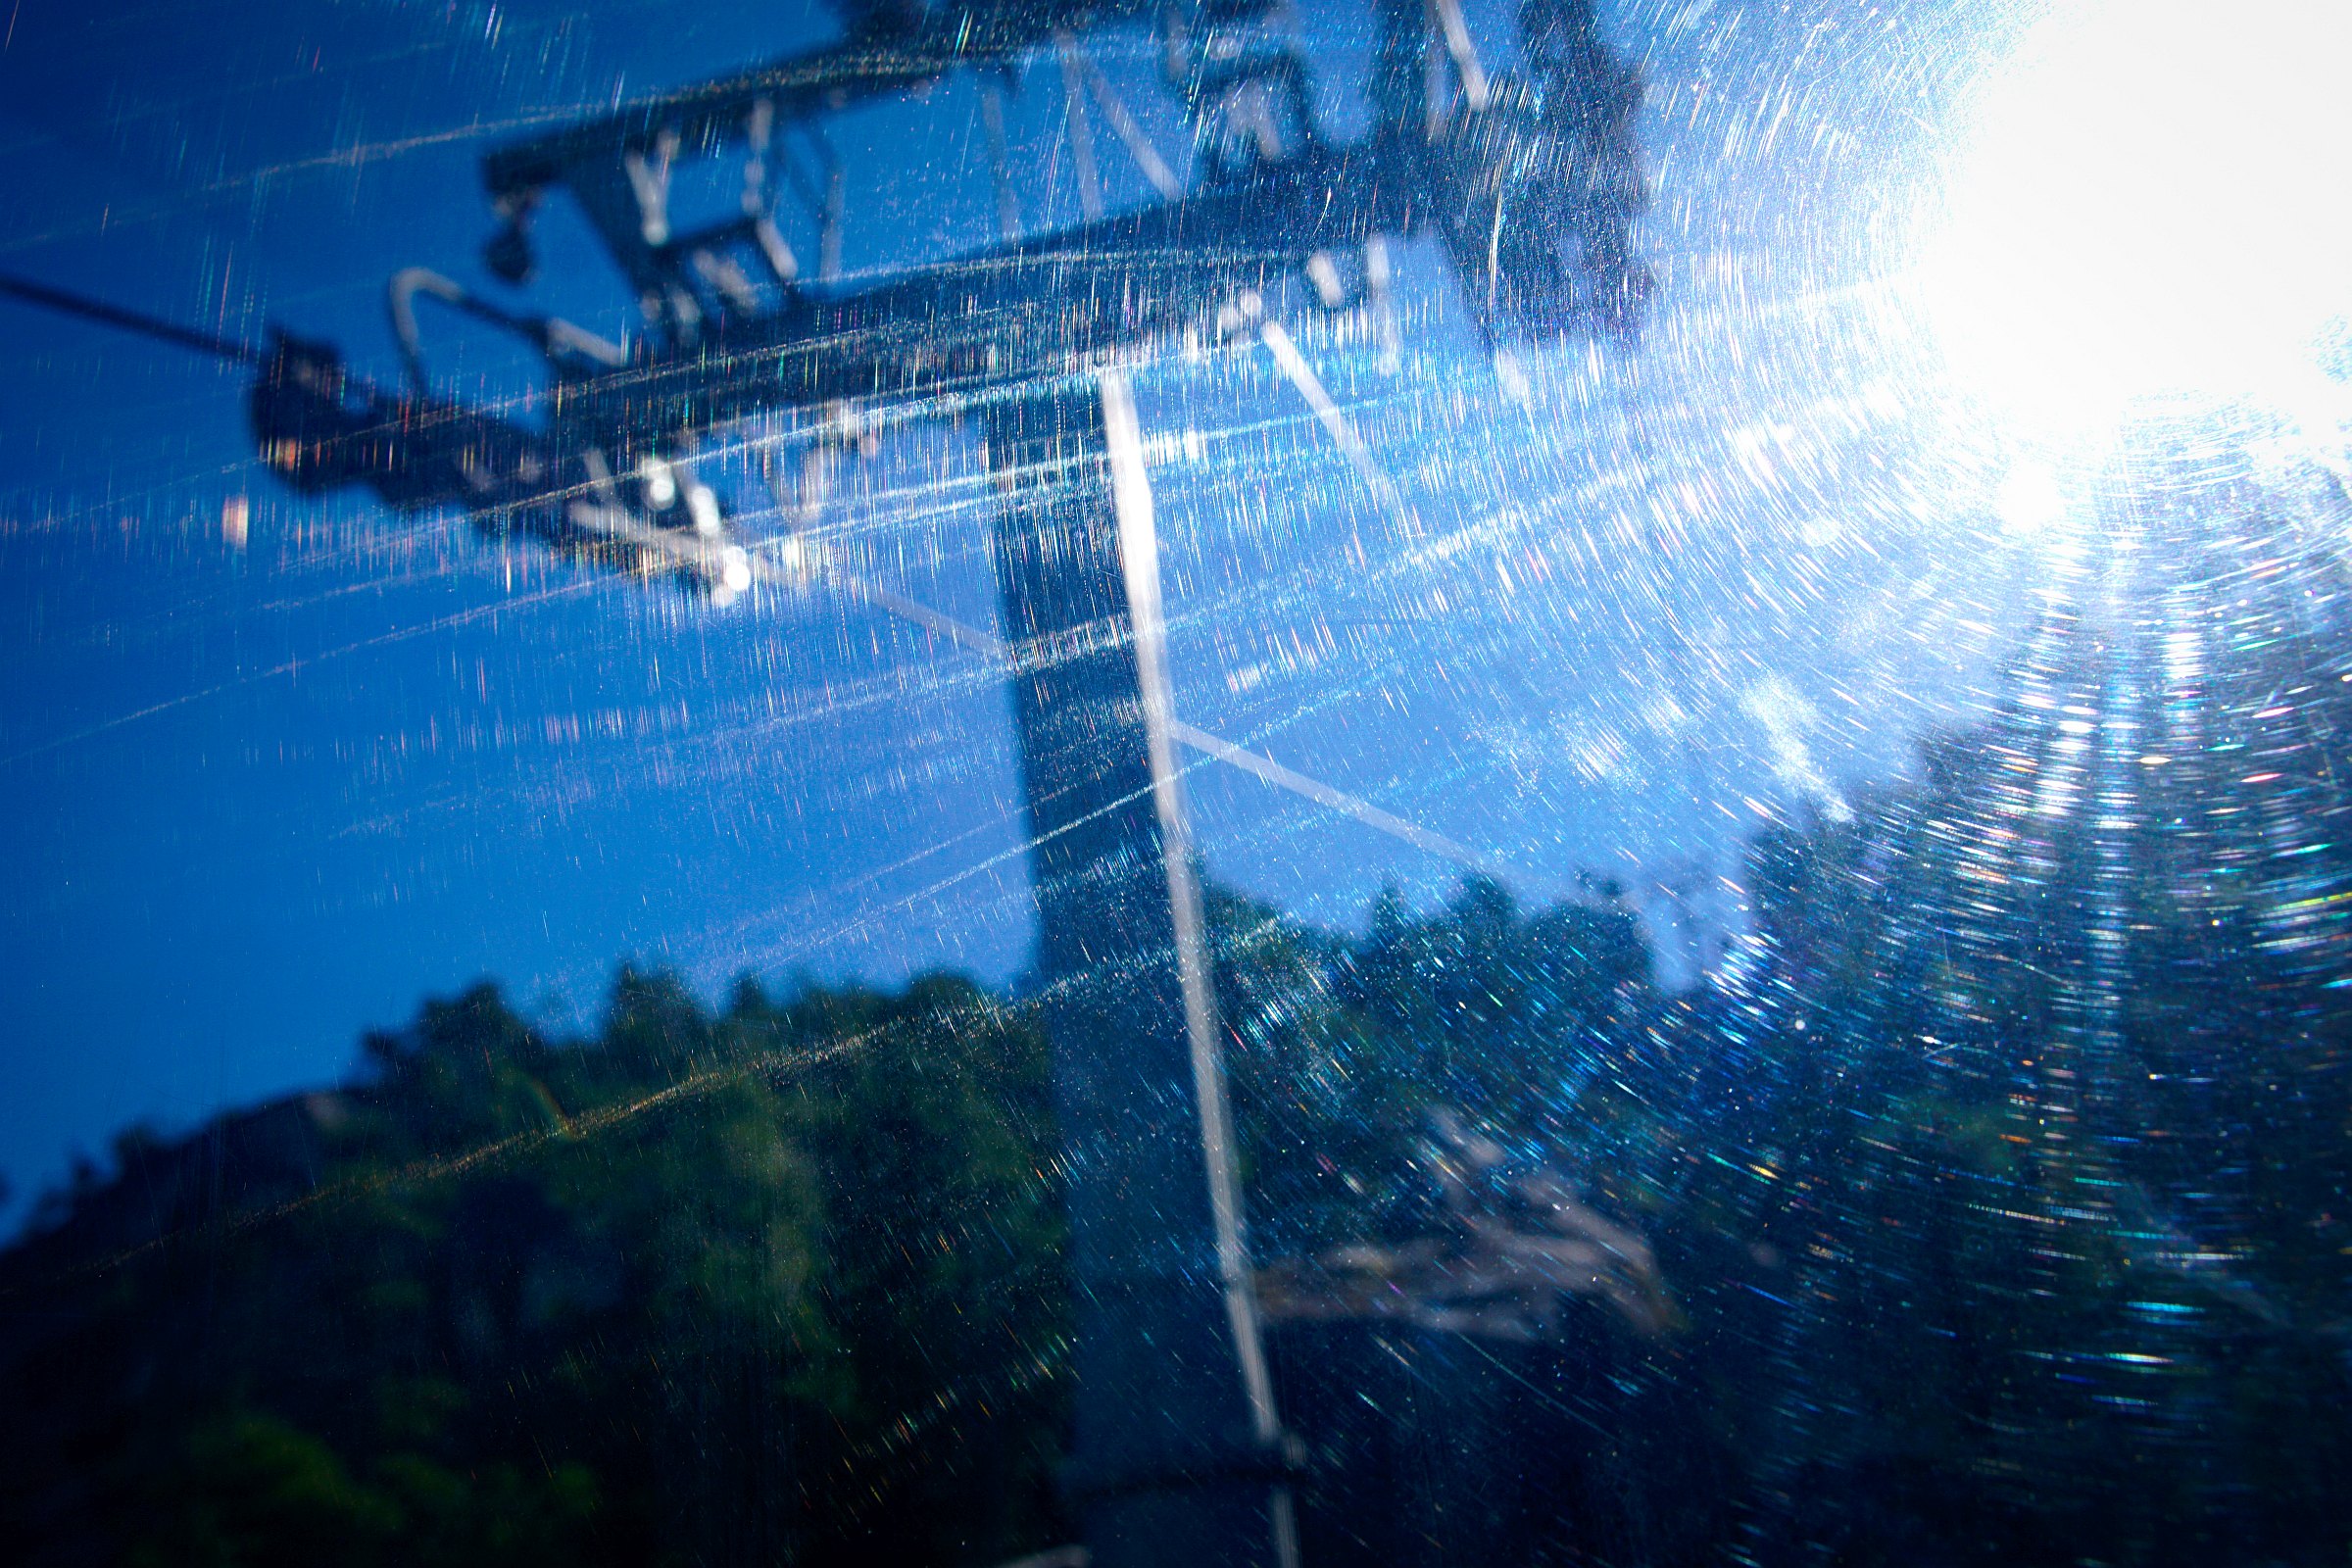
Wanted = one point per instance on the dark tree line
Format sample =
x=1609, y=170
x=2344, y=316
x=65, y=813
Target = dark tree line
x=775, y=1283
x=1999, y=1179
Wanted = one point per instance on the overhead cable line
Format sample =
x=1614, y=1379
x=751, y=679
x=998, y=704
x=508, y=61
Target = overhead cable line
x=986, y=645
x=86, y=309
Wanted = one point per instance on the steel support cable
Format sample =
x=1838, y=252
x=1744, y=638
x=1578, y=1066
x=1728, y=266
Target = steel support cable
x=139, y=322
x=1082, y=140
x=1123, y=124
x=803, y=563
x=806, y=562
x=1139, y=558
x=1448, y=14
x=1351, y=442
x=716, y=559
x=1000, y=163
x=1335, y=424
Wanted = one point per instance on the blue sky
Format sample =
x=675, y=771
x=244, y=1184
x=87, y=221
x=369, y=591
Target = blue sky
x=257, y=799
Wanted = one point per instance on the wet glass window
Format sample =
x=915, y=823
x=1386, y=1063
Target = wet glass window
x=1042, y=783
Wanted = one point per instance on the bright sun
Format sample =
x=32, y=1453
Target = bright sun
x=2147, y=199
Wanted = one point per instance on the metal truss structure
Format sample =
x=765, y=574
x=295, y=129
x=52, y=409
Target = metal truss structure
x=1529, y=181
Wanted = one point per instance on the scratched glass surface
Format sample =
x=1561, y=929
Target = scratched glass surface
x=1767, y=826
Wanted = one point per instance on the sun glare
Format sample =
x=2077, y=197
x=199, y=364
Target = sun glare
x=2146, y=200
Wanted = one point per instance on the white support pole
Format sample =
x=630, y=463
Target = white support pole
x=1138, y=560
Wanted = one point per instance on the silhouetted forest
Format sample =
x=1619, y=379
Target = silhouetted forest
x=1997, y=1180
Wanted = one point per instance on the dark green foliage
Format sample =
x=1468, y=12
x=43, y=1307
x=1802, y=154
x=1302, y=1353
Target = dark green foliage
x=776, y=1285
x=1342, y=1047
x=2039, y=1137
x=2002, y=1180
x=690, y=1291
